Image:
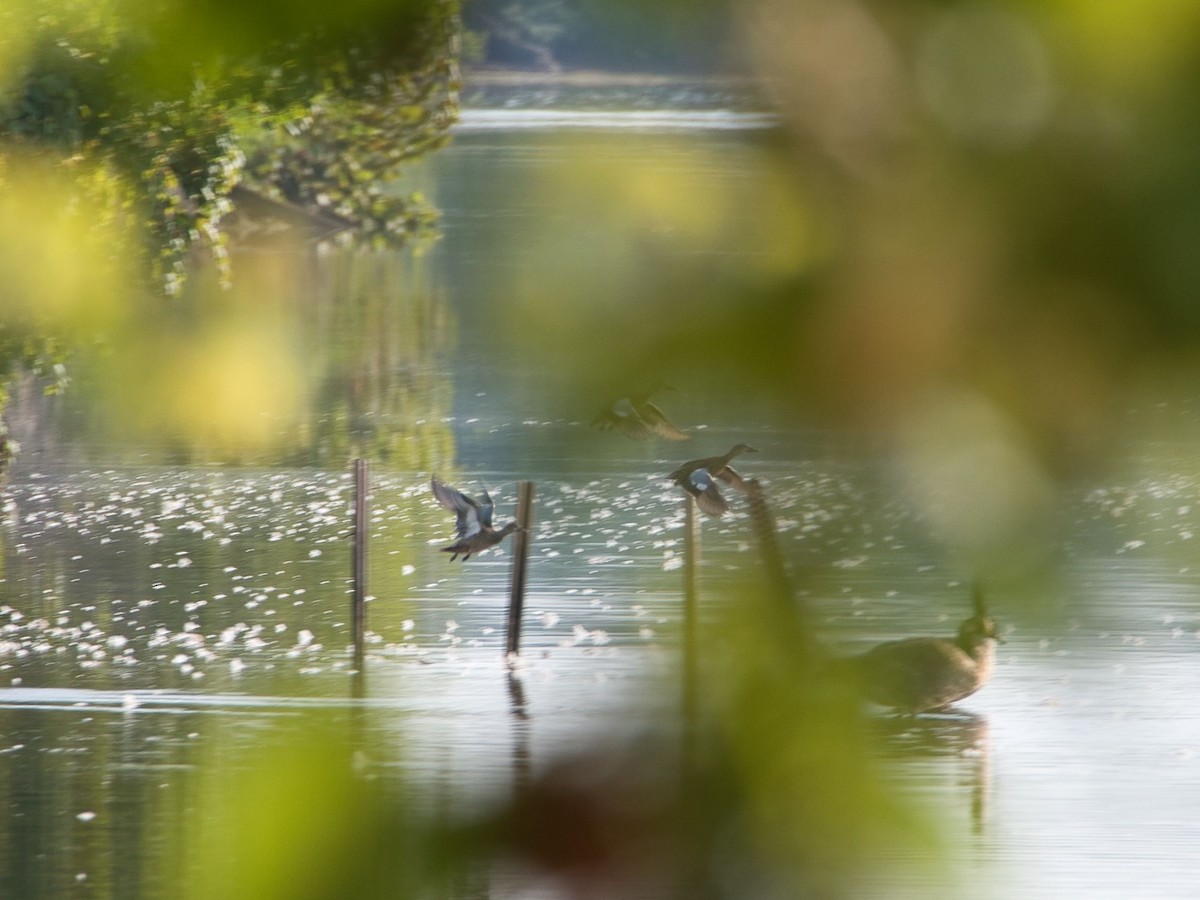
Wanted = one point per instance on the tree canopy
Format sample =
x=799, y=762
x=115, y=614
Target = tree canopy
x=139, y=141
x=181, y=107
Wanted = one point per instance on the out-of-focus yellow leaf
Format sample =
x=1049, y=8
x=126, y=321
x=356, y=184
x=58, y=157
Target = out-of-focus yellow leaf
x=1126, y=45
x=61, y=253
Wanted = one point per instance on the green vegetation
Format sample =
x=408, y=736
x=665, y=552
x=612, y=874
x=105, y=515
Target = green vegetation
x=972, y=238
x=141, y=143
x=187, y=114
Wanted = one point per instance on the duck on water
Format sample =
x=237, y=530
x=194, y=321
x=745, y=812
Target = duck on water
x=922, y=674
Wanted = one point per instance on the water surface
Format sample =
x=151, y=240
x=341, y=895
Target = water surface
x=160, y=624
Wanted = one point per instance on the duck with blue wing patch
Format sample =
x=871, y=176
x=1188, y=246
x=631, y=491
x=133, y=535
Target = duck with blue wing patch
x=473, y=521
x=699, y=478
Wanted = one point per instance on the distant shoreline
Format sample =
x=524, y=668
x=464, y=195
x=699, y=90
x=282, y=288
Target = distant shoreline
x=501, y=77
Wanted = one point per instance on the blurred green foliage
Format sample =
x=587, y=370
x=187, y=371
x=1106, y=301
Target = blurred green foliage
x=139, y=142
x=184, y=104
x=979, y=244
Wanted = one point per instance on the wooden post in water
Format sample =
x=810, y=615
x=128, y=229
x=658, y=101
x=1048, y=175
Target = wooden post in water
x=692, y=798
x=358, y=598
x=793, y=614
x=516, y=598
x=768, y=544
x=691, y=562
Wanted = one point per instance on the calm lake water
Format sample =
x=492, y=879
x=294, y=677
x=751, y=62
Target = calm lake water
x=161, y=625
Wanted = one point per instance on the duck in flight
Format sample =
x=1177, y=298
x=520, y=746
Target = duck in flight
x=640, y=418
x=699, y=478
x=921, y=674
x=473, y=519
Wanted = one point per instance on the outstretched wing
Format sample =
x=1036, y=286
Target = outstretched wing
x=468, y=516
x=485, y=509
x=623, y=416
x=684, y=472
x=656, y=421
x=734, y=480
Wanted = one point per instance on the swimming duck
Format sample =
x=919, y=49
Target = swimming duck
x=638, y=417
x=926, y=673
x=699, y=478
x=473, y=521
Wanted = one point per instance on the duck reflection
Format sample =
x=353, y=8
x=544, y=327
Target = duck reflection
x=954, y=743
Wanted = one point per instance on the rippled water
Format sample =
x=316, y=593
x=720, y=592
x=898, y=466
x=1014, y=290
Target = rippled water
x=152, y=617
x=650, y=120
x=150, y=611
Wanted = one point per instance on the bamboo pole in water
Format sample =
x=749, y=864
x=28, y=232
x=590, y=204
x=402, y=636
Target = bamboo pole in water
x=516, y=598
x=358, y=594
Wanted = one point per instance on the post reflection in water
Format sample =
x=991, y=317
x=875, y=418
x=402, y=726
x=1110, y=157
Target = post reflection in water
x=522, y=760
x=956, y=743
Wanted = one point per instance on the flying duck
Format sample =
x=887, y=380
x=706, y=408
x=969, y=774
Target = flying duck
x=699, y=478
x=473, y=519
x=638, y=417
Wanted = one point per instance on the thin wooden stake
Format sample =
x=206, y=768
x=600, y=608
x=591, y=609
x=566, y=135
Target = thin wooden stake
x=691, y=562
x=783, y=599
x=358, y=600
x=768, y=544
x=516, y=598
x=691, y=558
